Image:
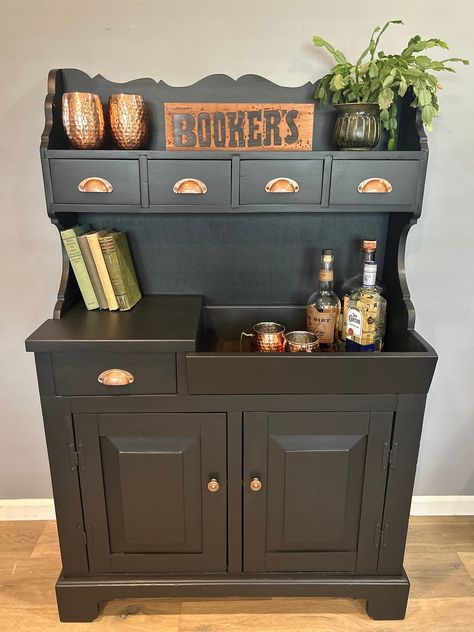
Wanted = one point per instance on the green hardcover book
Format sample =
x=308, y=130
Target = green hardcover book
x=69, y=237
x=121, y=270
x=92, y=270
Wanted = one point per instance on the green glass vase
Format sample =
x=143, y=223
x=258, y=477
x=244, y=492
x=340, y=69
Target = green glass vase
x=357, y=126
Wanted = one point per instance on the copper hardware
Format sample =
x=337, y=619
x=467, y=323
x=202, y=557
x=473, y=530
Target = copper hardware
x=190, y=185
x=83, y=119
x=375, y=185
x=95, y=185
x=255, y=484
x=302, y=342
x=282, y=185
x=268, y=337
x=128, y=120
x=213, y=485
x=115, y=377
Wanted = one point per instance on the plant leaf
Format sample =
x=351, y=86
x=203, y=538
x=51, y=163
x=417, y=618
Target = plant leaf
x=337, y=82
x=385, y=98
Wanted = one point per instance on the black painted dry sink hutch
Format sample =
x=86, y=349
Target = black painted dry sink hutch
x=333, y=438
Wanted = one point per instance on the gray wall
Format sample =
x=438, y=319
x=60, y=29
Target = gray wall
x=180, y=42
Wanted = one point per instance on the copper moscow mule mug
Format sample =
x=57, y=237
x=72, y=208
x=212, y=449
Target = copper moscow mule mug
x=128, y=120
x=302, y=342
x=268, y=337
x=83, y=119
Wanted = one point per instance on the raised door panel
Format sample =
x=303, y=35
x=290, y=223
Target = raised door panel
x=322, y=478
x=144, y=483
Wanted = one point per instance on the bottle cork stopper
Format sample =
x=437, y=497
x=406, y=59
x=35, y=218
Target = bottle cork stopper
x=368, y=244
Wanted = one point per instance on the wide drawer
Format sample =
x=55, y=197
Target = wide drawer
x=281, y=181
x=68, y=176
x=77, y=373
x=185, y=182
x=379, y=182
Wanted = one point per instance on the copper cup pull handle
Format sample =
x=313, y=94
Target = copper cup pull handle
x=95, y=185
x=241, y=338
x=282, y=185
x=213, y=485
x=375, y=185
x=255, y=484
x=115, y=377
x=190, y=185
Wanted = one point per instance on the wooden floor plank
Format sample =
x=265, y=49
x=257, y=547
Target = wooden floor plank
x=439, y=562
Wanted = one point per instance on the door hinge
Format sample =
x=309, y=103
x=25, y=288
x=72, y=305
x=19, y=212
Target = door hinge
x=390, y=455
x=380, y=535
x=87, y=537
x=74, y=456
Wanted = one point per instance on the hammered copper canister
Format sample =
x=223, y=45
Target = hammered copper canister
x=268, y=337
x=83, y=119
x=128, y=120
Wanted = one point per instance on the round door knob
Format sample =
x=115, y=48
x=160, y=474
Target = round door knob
x=115, y=377
x=255, y=484
x=213, y=485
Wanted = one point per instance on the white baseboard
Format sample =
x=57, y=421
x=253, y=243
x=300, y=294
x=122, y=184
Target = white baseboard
x=43, y=508
x=442, y=506
x=27, y=509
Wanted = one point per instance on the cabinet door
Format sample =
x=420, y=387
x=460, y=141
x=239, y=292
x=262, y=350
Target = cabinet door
x=144, y=481
x=322, y=489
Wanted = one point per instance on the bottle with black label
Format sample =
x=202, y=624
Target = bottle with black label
x=324, y=305
x=365, y=315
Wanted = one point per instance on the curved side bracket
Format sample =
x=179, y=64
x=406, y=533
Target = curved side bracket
x=53, y=133
x=68, y=291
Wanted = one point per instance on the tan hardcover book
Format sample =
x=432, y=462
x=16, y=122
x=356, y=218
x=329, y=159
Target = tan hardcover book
x=93, y=240
x=92, y=270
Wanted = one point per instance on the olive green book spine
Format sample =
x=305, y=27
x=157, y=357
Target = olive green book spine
x=92, y=270
x=71, y=245
x=121, y=270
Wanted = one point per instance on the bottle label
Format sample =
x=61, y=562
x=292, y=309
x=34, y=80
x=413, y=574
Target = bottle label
x=326, y=275
x=322, y=324
x=354, y=323
x=344, y=316
x=369, y=276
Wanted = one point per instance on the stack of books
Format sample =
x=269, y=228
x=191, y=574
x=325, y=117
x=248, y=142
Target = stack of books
x=103, y=267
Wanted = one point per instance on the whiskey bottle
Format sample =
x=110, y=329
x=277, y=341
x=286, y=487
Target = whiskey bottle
x=366, y=309
x=324, y=306
x=369, y=248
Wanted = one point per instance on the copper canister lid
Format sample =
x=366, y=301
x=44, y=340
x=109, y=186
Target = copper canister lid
x=368, y=244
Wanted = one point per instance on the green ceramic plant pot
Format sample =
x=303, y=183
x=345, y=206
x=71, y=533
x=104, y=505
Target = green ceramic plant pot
x=357, y=126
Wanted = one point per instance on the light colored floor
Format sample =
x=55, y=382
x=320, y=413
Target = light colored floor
x=439, y=562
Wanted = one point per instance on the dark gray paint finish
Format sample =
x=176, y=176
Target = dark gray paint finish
x=164, y=174
x=77, y=373
x=347, y=175
x=107, y=509
x=256, y=174
x=66, y=175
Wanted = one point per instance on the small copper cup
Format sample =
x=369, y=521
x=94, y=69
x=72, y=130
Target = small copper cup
x=302, y=342
x=268, y=337
x=128, y=120
x=83, y=119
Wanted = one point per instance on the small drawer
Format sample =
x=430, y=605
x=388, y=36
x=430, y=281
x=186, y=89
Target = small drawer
x=184, y=182
x=78, y=373
x=379, y=182
x=281, y=181
x=95, y=181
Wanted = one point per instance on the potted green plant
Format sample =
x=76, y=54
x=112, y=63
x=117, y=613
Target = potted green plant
x=365, y=93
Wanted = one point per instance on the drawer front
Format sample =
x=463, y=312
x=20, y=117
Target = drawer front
x=77, y=373
x=122, y=175
x=184, y=182
x=281, y=181
x=349, y=181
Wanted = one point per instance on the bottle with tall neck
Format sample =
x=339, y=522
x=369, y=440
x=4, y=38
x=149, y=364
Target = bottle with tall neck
x=369, y=247
x=324, y=305
x=366, y=308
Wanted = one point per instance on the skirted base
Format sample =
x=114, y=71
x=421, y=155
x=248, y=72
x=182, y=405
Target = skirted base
x=78, y=598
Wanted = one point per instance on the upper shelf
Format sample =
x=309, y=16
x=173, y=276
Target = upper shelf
x=319, y=177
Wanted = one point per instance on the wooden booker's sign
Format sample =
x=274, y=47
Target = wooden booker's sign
x=242, y=126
